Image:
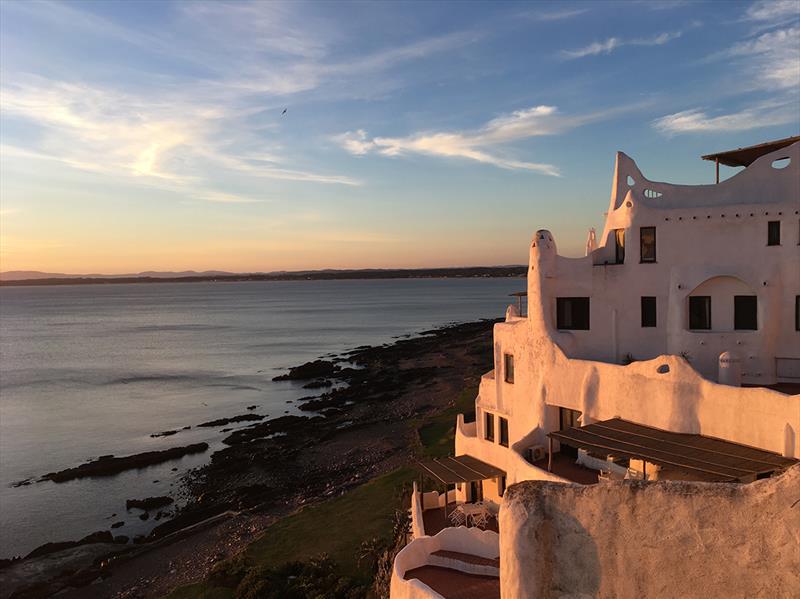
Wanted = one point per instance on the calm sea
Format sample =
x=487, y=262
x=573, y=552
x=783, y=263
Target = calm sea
x=93, y=370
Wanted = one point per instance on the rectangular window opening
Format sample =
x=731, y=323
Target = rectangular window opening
x=700, y=312
x=508, y=368
x=797, y=312
x=503, y=431
x=488, y=432
x=774, y=232
x=648, y=311
x=619, y=241
x=647, y=244
x=501, y=485
x=745, y=312
x=572, y=313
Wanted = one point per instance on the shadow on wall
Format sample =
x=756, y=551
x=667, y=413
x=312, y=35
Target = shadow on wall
x=574, y=570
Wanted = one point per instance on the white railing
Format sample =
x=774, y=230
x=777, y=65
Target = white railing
x=473, y=541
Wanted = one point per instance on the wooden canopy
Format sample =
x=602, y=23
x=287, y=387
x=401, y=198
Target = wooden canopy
x=459, y=469
x=706, y=458
x=746, y=156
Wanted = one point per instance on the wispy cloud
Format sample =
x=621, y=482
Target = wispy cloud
x=555, y=15
x=612, y=43
x=479, y=145
x=697, y=120
x=769, y=61
x=773, y=11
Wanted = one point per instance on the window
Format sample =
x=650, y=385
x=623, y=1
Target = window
x=647, y=244
x=501, y=485
x=797, y=312
x=774, y=232
x=508, y=368
x=700, y=312
x=619, y=241
x=648, y=311
x=503, y=431
x=745, y=308
x=488, y=432
x=572, y=313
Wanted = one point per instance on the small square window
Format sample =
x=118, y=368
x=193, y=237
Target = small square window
x=700, y=312
x=508, y=368
x=619, y=244
x=745, y=312
x=501, y=485
x=648, y=311
x=503, y=432
x=572, y=313
x=488, y=432
x=647, y=244
x=774, y=232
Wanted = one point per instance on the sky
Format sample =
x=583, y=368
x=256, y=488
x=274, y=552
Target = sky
x=261, y=136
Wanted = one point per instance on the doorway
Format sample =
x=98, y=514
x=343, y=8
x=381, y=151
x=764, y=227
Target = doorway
x=568, y=419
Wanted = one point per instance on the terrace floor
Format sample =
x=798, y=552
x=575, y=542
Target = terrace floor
x=565, y=466
x=434, y=521
x=452, y=584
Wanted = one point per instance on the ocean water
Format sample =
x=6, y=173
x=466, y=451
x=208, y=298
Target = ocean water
x=92, y=370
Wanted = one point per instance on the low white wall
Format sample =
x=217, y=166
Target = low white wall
x=417, y=522
x=483, y=543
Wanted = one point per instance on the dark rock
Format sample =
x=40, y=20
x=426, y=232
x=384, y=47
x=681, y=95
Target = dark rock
x=317, y=369
x=109, y=465
x=240, y=418
x=164, y=434
x=149, y=503
x=145, y=516
x=251, y=407
x=117, y=524
x=101, y=536
x=121, y=539
x=318, y=384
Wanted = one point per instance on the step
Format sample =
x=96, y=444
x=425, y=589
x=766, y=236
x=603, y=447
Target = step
x=454, y=584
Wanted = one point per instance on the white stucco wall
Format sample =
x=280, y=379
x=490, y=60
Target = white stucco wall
x=665, y=539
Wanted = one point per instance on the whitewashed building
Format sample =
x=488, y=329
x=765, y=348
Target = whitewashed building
x=670, y=351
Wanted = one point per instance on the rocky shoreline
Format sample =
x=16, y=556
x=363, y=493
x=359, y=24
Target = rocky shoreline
x=354, y=430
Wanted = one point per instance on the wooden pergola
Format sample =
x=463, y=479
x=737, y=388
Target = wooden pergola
x=746, y=156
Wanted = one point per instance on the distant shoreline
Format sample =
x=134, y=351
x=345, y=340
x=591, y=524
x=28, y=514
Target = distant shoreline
x=319, y=275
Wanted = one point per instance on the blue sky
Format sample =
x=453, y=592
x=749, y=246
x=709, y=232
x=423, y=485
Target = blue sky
x=150, y=135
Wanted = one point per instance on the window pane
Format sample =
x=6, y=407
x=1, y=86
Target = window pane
x=489, y=433
x=745, y=312
x=619, y=239
x=572, y=313
x=508, y=368
x=503, y=432
x=774, y=232
x=648, y=311
x=700, y=312
x=647, y=238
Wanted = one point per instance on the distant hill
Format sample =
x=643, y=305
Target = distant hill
x=23, y=277
x=27, y=275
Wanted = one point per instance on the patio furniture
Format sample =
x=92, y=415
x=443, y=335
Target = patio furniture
x=458, y=517
x=477, y=513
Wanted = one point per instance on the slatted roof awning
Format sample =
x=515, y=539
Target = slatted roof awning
x=707, y=458
x=459, y=469
x=746, y=156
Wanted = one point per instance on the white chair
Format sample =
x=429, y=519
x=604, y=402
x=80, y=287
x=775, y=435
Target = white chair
x=457, y=517
x=481, y=517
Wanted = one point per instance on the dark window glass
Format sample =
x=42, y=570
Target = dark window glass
x=647, y=244
x=508, y=368
x=700, y=312
x=745, y=308
x=572, y=313
x=503, y=432
x=648, y=311
x=619, y=241
x=489, y=432
x=774, y=232
x=797, y=312
x=501, y=485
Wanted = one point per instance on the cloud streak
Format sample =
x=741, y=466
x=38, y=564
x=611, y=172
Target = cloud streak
x=697, y=120
x=613, y=43
x=479, y=145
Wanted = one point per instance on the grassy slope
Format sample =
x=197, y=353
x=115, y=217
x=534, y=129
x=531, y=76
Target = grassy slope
x=338, y=526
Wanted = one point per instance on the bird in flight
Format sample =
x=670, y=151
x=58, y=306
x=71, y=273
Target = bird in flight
x=284, y=111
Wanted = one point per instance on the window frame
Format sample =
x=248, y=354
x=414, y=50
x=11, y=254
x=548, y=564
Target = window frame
x=562, y=303
x=501, y=485
x=503, y=431
x=508, y=373
x=619, y=248
x=642, y=259
x=773, y=232
x=488, y=426
x=707, y=298
x=646, y=322
x=738, y=317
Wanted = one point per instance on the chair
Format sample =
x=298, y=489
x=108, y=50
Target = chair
x=481, y=517
x=457, y=517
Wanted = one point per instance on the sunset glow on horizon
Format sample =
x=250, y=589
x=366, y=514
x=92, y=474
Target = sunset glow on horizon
x=262, y=136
